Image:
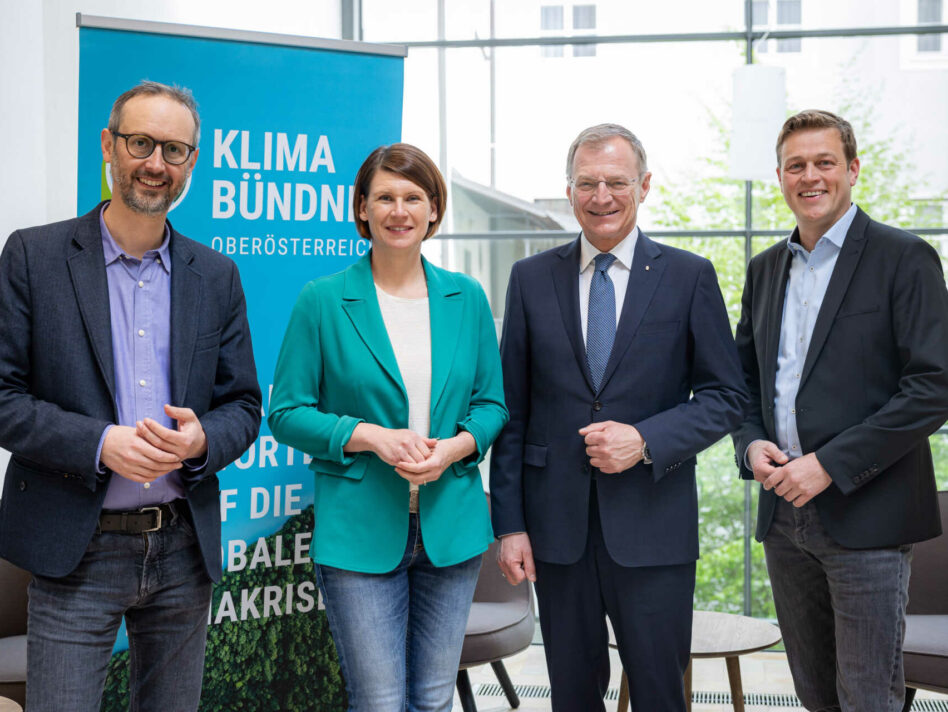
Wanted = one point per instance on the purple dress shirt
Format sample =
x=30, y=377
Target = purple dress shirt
x=140, y=308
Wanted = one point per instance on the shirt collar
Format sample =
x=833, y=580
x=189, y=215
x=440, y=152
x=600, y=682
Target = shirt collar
x=623, y=252
x=113, y=252
x=836, y=234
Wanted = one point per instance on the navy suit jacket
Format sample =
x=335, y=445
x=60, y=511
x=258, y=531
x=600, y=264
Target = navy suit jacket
x=673, y=374
x=874, y=384
x=57, y=390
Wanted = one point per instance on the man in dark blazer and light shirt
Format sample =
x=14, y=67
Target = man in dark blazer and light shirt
x=127, y=381
x=844, y=342
x=619, y=367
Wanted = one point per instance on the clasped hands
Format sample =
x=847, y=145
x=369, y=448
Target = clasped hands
x=150, y=450
x=418, y=459
x=797, y=481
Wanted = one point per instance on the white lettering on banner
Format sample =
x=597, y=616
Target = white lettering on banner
x=223, y=192
x=304, y=190
x=260, y=501
x=270, y=246
x=297, y=201
x=257, y=210
x=284, y=155
x=269, y=454
x=252, y=197
x=226, y=503
x=277, y=601
x=236, y=555
x=222, y=148
x=287, y=158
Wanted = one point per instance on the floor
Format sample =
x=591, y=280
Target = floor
x=765, y=673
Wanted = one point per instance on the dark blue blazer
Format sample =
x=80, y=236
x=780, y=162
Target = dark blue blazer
x=673, y=374
x=874, y=384
x=57, y=386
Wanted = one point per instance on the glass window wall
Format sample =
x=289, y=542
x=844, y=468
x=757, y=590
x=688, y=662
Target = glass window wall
x=500, y=115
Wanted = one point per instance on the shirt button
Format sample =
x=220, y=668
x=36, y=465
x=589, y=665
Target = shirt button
x=141, y=332
x=147, y=485
x=141, y=284
x=797, y=375
x=141, y=382
x=793, y=411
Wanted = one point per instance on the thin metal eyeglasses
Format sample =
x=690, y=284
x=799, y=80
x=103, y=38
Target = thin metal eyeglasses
x=616, y=186
x=142, y=146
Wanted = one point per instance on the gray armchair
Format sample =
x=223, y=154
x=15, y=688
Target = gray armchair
x=13, y=599
x=501, y=624
x=926, y=624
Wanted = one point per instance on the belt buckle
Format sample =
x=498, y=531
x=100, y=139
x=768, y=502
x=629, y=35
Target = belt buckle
x=156, y=510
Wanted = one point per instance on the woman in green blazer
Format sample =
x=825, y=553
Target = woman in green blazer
x=389, y=377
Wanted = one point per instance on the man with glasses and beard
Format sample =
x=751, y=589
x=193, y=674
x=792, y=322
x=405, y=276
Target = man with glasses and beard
x=127, y=381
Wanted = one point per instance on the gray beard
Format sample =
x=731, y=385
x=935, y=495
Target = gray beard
x=151, y=205
x=157, y=205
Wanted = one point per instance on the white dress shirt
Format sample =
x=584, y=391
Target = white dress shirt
x=810, y=274
x=618, y=272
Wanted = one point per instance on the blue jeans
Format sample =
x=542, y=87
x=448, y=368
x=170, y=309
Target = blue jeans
x=841, y=613
x=399, y=634
x=158, y=582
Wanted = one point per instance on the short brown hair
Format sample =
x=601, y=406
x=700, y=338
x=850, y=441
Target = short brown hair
x=819, y=119
x=148, y=88
x=410, y=163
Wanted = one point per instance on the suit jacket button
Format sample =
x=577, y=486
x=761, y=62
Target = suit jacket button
x=22, y=485
x=597, y=406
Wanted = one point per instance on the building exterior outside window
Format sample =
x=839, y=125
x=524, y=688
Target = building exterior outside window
x=929, y=11
x=551, y=20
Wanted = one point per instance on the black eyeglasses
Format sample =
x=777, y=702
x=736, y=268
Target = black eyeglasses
x=142, y=146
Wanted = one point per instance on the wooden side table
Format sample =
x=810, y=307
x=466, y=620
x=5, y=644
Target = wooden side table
x=717, y=635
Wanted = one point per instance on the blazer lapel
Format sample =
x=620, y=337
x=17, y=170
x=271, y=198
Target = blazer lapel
x=361, y=304
x=644, y=276
x=185, y=308
x=774, y=316
x=566, y=283
x=842, y=275
x=446, y=307
x=86, y=264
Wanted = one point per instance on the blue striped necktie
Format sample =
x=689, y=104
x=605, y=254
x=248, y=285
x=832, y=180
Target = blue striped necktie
x=601, y=318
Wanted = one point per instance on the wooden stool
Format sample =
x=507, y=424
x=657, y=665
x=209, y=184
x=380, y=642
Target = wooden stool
x=717, y=635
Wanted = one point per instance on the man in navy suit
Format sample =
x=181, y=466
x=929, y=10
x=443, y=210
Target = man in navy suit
x=619, y=367
x=844, y=341
x=127, y=381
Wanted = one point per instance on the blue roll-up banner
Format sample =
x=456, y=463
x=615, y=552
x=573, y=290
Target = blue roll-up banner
x=284, y=130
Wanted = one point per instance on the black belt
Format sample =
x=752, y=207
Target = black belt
x=139, y=521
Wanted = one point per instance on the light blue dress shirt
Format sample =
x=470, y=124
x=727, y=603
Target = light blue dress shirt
x=140, y=309
x=810, y=274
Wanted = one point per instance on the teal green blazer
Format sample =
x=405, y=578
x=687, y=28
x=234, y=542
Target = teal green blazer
x=337, y=368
